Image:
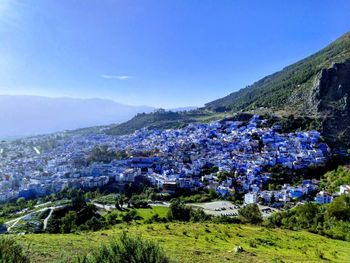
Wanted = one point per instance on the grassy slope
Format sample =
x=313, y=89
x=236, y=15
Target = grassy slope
x=162, y=120
x=198, y=242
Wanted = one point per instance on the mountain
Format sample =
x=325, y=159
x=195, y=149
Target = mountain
x=288, y=88
x=31, y=115
x=315, y=89
x=317, y=86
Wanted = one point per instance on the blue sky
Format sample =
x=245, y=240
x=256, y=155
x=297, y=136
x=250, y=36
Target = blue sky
x=165, y=53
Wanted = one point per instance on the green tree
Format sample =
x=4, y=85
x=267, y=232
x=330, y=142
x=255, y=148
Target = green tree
x=130, y=216
x=251, y=214
x=119, y=201
x=339, y=208
x=68, y=222
x=179, y=211
x=21, y=202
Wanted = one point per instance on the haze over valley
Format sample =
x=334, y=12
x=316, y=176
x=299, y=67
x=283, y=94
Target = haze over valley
x=32, y=115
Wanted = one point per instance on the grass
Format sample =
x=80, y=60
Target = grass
x=200, y=242
x=147, y=213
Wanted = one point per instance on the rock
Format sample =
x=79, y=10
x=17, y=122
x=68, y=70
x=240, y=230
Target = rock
x=331, y=97
x=238, y=249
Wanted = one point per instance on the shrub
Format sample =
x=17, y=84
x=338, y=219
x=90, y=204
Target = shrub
x=319, y=253
x=251, y=214
x=179, y=211
x=11, y=252
x=127, y=249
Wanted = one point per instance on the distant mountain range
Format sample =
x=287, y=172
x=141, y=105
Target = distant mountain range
x=31, y=115
x=315, y=90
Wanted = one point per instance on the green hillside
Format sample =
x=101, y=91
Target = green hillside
x=199, y=242
x=162, y=119
x=288, y=86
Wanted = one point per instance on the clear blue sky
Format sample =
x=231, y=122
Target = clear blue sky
x=165, y=53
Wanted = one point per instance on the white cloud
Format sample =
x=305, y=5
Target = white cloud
x=120, y=77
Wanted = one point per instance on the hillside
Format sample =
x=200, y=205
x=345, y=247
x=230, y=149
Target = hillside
x=199, y=242
x=162, y=119
x=31, y=115
x=286, y=89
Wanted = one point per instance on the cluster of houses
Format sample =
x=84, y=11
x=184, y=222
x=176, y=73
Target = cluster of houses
x=226, y=156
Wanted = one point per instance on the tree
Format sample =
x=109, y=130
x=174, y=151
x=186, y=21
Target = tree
x=94, y=224
x=68, y=222
x=306, y=215
x=111, y=217
x=119, y=201
x=273, y=199
x=78, y=200
x=339, y=208
x=130, y=216
x=251, y=214
x=21, y=202
x=179, y=211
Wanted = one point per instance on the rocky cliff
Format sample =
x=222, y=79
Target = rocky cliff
x=331, y=101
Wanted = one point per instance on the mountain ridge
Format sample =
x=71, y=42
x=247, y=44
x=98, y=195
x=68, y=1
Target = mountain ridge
x=282, y=87
x=25, y=115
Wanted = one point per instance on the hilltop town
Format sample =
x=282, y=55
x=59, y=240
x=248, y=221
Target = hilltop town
x=229, y=157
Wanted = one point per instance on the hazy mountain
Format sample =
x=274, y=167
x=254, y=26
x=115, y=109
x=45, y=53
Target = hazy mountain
x=30, y=115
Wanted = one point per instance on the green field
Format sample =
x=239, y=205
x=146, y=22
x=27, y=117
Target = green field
x=147, y=213
x=200, y=242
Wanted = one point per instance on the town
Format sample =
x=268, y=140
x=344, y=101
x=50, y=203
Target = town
x=226, y=156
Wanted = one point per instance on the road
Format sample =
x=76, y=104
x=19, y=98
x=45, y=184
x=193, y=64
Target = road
x=10, y=224
x=47, y=219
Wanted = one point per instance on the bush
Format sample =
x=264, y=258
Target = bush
x=11, y=252
x=179, y=211
x=127, y=249
x=250, y=214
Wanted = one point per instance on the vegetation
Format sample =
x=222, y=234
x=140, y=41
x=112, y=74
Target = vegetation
x=335, y=178
x=250, y=214
x=127, y=249
x=292, y=123
x=160, y=119
x=332, y=220
x=77, y=216
x=11, y=252
x=105, y=155
x=197, y=242
x=288, y=86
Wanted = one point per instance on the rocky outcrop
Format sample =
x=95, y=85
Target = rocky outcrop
x=330, y=100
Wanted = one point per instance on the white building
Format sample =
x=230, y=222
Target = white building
x=344, y=189
x=250, y=198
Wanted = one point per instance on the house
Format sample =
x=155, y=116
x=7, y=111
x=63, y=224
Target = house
x=323, y=198
x=250, y=198
x=169, y=187
x=344, y=189
x=295, y=193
